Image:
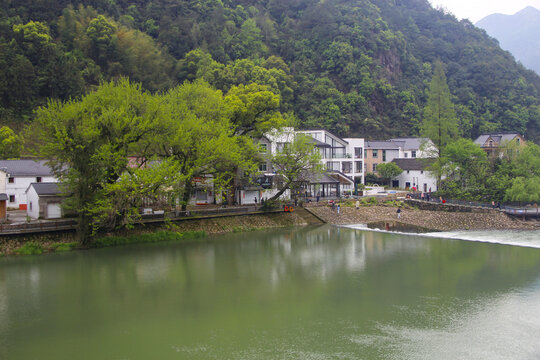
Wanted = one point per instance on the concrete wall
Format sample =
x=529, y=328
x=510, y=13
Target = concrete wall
x=33, y=203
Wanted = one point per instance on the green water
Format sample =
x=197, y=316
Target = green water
x=306, y=293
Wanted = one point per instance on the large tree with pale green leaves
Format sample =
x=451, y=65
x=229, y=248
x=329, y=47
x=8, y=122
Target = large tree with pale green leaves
x=88, y=143
x=200, y=137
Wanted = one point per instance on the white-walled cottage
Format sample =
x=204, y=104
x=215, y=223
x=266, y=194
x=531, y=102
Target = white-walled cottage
x=17, y=175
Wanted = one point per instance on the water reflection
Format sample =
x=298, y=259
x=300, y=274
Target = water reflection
x=322, y=292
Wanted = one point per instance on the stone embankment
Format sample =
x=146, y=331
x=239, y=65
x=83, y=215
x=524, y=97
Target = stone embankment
x=428, y=219
x=209, y=225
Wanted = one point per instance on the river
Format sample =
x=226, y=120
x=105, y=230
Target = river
x=303, y=293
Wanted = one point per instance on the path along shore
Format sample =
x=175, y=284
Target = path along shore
x=429, y=219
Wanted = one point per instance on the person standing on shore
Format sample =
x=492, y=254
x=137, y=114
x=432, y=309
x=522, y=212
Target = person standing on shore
x=399, y=213
x=338, y=208
x=357, y=204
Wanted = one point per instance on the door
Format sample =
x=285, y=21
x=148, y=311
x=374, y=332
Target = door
x=54, y=211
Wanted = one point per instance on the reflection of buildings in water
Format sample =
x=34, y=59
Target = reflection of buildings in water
x=383, y=245
x=165, y=266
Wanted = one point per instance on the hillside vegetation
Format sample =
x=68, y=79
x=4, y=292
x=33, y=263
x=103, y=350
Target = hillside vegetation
x=358, y=68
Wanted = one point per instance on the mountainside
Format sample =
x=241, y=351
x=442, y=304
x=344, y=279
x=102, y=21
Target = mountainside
x=358, y=68
x=518, y=34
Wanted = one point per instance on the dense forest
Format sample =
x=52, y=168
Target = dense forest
x=356, y=67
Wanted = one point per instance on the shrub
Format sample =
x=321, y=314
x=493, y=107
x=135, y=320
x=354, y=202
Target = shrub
x=30, y=248
x=61, y=247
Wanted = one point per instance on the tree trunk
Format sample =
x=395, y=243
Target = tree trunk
x=280, y=192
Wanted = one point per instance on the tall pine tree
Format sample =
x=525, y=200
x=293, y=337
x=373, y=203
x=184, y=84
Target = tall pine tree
x=440, y=121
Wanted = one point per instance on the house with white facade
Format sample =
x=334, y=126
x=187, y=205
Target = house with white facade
x=17, y=175
x=410, y=147
x=415, y=174
x=44, y=201
x=341, y=157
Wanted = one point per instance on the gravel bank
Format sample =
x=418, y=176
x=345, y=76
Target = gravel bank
x=436, y=220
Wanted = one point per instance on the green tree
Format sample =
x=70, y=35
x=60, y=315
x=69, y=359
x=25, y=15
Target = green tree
x=464, y=167
x=387, y=171
x=199, y=137
x=89, y=142
x=10, y=143
x=524, y=190
x=440, y=120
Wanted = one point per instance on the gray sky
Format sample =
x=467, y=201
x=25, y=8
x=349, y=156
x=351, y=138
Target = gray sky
x=475, y=10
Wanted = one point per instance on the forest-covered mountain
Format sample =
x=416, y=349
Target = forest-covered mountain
x=518, y=34
x=357, y=67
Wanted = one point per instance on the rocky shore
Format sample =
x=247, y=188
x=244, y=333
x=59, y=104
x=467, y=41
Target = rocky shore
x=435, y=220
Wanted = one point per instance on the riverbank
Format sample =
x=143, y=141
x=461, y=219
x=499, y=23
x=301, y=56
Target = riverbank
x=186, y=230
x=427, y=219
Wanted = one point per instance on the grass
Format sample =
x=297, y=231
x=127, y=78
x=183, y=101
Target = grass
x=147, y=238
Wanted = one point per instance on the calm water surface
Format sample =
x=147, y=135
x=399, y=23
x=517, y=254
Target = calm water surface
x=306, y=293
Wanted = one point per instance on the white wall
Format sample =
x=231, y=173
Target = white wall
x=33, y=198
x=18, y=188
x=418, y=178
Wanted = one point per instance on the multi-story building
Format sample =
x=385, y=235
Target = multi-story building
x=342, y=156
x=378, y=152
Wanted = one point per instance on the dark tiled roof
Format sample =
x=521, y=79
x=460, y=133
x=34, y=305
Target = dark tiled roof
x=46, y=188
x=410, y=143
x=384, y=145
x=25, y=168
x=497, y=137
x=414, y=163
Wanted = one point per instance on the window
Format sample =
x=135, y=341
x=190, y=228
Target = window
x=332, y=165
x=407, y=185
x=406, y=155
x=38, y=179
x=346, y=167
x=375, y=153
x=365, y=168
x=11, y=180
x=11, y=198
x=413, y=154
x=365, y=154
x=358, y=166
x=374, y=167
x=357, y=152
x=263, y=167
x=30, y=206
x=384, y=155
x=263, y=148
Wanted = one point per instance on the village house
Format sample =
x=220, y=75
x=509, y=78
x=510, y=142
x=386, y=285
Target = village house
x=415, y=174
x=378, y=152
x=17, y=175
x=44, y=201
x=493, y=143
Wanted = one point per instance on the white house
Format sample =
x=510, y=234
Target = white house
x=17, y=175
x=415, y=175
x=341, y=157
x=44, y=201
x=410, y=147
